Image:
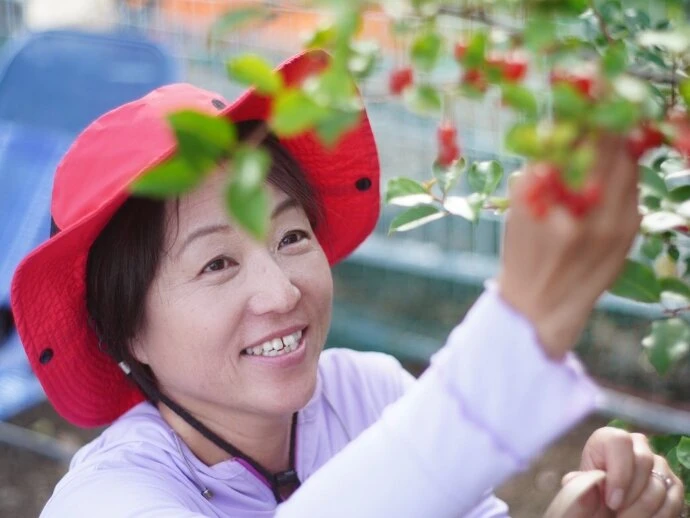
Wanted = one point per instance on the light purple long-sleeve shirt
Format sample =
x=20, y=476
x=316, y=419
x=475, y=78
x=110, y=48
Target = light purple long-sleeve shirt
x=488, y=404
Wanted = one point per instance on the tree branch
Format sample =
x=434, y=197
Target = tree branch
x=602, y=23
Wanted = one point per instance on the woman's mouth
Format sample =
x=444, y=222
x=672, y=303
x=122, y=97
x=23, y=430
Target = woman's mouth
x=277, y=347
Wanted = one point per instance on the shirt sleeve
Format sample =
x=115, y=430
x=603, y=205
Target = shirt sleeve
x=489, y=403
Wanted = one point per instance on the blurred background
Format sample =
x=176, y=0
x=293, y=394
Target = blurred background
x=63, y=63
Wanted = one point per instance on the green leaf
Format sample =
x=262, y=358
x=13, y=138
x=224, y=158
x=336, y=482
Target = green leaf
x=202, y=139
x=652, y=246
x=674, y=464
x=662, y=221
x=521, y=99
x=579, y=163
x=568, y=102
x=619, y=423
x=249, y=208
x=637, y=282
x=237, y=18
x=540, y=33
x=673, y=253
x=676, y=286
x=618, y=115
x=250, y=167
x=476, y=50
x=403, y=188
x=320, y=38
x=416, y=217
x=423, y=99
x=462, y=206
x=523, y=139
x=663, y=444
x=426, y=50
x=363, y=59
x=294, y=113
x=333, y=87
x=667, y=343
x=684, y=90
x=683, y=451
x=651, y=203
x=633, y=89
x=484, y=177
x=679, y=194
x=448, y=177
x=652, y=182
x=171, y=178
x=675, y=41
x=615, y=59
x=336, y=124
x=253, y=70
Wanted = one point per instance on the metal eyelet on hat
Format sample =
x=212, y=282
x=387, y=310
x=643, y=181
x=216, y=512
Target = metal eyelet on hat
x=46, y=356
x=217, y=103
x=363, y=184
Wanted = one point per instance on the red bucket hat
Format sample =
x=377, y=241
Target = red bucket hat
x=84, y=384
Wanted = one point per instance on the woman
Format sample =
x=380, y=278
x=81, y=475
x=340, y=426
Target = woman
x=202, y=348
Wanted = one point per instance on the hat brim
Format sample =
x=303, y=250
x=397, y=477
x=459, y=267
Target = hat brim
x=48, y=294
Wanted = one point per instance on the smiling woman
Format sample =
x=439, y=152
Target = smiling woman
x=201, y=348
x=187, y=288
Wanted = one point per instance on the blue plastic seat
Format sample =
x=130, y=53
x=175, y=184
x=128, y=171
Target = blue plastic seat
x=62, y=80
x=28, y=157
x=52, y=85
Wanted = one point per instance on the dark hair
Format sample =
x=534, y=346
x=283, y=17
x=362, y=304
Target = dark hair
x=125, y=256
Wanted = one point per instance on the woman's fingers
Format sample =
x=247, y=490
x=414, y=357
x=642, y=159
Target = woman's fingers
x=660, y=495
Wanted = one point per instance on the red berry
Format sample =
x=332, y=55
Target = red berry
x=400, y=79
x=514, y=68
x=549, y=189
x=447, y=134
x=460, y=50
x=592, y=194
x=583, y=83
x=577, y=204
x=476, y=79
x=642, y=139
x=447, y=154
x=546, y=189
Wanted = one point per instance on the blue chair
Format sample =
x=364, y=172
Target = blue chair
x=52, y=85
x=62, y=80
x=27, y=160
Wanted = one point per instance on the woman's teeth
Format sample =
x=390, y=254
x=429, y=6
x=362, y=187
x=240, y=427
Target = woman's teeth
x=277, y=346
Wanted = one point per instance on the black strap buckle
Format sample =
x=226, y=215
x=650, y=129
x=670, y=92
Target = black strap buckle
x=286, y=477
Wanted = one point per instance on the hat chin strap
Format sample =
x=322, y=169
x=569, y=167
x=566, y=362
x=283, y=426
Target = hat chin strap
x=282, y=484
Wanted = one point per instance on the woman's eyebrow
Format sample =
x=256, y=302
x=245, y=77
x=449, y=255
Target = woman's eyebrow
x=283, y=206
x=287, y=203
x=201, y=232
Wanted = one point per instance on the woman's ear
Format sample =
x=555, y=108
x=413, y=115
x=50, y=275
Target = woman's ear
x=139, y=351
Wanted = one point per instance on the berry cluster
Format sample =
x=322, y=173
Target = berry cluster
x=549, y=189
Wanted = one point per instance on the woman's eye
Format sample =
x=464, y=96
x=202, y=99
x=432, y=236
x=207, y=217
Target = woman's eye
x=218, y=264
x=292, y=237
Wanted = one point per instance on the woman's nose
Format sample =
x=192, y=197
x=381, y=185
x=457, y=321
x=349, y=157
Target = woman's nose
x=274, y=292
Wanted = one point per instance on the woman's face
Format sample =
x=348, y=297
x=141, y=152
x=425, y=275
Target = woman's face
x=231, y=323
